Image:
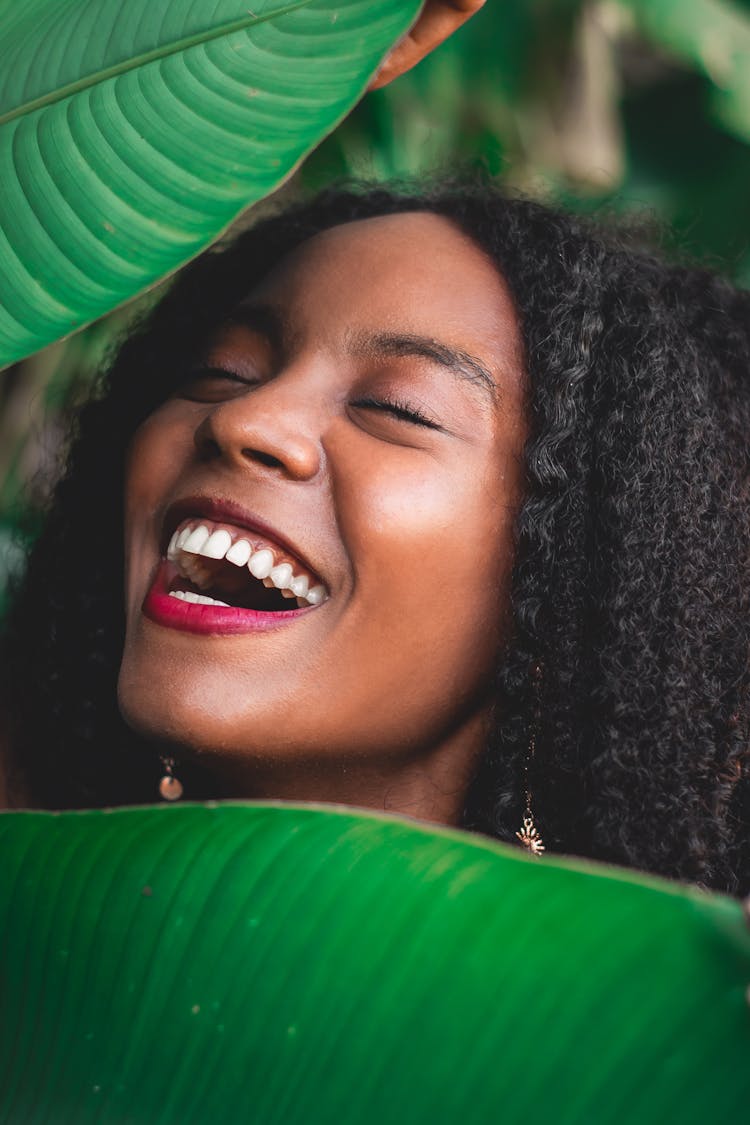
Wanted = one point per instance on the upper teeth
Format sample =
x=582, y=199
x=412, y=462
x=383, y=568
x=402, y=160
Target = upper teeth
x=192, y=539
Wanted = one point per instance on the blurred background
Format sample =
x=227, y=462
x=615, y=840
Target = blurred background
x=637, y=107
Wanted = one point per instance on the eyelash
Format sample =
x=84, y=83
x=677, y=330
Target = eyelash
x=186, y=387
x=213, y=373
x=398, y=408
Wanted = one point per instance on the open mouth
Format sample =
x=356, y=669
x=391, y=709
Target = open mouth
x=221, y=590
x=232, y=567
x=219, y=578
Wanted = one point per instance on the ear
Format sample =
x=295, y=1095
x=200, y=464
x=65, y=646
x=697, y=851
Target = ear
x=437, y=20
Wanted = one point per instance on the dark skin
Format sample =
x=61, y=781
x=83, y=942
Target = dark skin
x=437, y=20
x=380, y=696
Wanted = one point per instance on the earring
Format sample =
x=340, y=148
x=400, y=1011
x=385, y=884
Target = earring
x=529, y=835
x=170, y=787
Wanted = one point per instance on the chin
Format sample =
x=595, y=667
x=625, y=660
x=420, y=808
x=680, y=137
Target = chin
x=185, y=716
x=150, y=713
x=159, y=711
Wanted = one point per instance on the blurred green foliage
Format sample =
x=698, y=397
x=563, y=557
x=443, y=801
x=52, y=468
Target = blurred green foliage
x=635, y=106
x=632, y=106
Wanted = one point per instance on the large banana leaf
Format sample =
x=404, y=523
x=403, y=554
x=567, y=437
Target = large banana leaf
x=274, y=963
x=131, y=134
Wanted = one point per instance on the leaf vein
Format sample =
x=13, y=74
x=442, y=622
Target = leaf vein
x=163, y=51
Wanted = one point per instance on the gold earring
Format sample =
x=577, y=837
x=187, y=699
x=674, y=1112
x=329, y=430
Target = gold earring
x=529, y=835
x=170, y=787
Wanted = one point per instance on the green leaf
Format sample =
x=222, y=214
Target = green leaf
x=275, y=963
x=132, y=134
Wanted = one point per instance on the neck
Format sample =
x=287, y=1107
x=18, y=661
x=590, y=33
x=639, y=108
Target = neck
x=430, y=787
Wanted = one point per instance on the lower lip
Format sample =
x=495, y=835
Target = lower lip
x=219, y=620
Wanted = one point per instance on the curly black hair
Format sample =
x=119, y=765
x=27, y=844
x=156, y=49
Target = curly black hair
x=631, y=584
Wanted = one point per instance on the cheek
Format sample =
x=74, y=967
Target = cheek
x=153, y=464
x=434, y=522
x=432, y=551
x=432, y=554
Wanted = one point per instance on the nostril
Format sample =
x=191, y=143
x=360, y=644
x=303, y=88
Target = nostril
x=264, y=458
x=209, y=448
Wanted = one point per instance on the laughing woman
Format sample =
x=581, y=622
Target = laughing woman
x=435, y=503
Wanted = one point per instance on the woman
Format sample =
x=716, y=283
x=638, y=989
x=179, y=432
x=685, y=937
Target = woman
x=497, y=464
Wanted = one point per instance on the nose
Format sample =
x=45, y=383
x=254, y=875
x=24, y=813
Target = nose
x=276, y=426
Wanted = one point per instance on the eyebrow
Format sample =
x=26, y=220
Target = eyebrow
x=459, y=362
x=275, y=325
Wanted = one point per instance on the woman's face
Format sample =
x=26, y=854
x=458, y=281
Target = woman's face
x=361, y=420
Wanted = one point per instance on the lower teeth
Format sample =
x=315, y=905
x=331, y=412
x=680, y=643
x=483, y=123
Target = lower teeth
x=199, y=599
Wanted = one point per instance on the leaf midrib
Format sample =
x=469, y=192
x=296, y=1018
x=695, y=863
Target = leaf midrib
x=173, y=48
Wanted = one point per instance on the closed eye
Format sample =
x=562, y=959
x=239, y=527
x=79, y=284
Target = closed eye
x=204, y=383
x=402, y=410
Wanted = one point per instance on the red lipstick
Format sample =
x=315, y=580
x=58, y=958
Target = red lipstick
x=214, y=620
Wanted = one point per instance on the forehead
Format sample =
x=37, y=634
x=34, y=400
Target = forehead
x=414, y=272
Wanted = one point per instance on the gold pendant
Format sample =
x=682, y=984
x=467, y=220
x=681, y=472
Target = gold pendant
x=530, y=838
